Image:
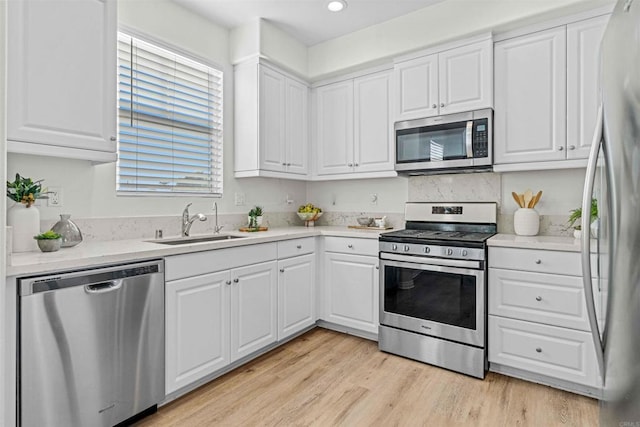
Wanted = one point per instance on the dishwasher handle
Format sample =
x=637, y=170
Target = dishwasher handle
x=103, y=287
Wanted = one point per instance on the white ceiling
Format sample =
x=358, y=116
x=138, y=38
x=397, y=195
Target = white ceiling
x=309, y=21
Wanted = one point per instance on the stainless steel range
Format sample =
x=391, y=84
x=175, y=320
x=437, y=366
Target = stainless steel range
x=433, y=285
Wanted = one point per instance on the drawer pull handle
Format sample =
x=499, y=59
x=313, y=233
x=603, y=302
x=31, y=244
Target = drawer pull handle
x=538, y=261
x=299, y=246
x=350, y=246
x=539, y=350
x=538, y=298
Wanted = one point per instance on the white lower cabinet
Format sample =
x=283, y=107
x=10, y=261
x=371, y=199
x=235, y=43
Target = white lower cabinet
x=253, y=308
x=538, y=323
x=296, y=295
x=197, y=328
x=351, y=291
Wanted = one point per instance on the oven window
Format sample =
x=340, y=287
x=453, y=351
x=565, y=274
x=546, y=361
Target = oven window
x=433, y=143
x=439, y=297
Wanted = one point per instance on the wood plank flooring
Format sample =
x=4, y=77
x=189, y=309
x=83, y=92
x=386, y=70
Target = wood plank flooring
x=326, y=378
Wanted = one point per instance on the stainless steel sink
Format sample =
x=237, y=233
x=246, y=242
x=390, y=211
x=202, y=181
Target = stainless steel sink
x=198, y=239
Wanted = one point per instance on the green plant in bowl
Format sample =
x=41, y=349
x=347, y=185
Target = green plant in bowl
x=576, y=215
x=49, y=241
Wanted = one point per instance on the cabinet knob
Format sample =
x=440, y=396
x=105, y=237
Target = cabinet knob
x=377, y=267
x=434, y=106
x=539, y=350
x=356, y=164
x=288, y=164
x=113, y=138
x=560, y=148
x=538, y=298
x=282, y=270
x=284, y=164
x=228, y=282
x=538, y=261
x=350, y=246
x=572, y=147
x=350, y=164
x=299, y=247
x=442, y=104
x=236, y=280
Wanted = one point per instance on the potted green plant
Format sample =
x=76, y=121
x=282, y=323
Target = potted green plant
x=49, y=241
x=23, y=216
x=255, y=217
x=575, y=216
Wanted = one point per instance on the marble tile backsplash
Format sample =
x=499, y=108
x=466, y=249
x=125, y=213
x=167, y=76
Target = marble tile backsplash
x=471, y=187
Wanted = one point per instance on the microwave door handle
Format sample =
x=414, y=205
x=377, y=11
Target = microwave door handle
x=469, y=139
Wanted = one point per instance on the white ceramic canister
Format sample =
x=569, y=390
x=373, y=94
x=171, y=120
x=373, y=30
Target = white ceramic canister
x=526, y=222
x=26, y=224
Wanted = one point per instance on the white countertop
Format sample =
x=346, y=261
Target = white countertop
x=97, y=253
x=552, y=243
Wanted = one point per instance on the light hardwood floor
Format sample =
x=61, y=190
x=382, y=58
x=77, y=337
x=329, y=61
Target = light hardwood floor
x=326, y=378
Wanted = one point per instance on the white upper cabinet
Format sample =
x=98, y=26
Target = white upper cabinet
x=530, y=98
x=271, y=123
x=451, y=81
x=547, y=96
x=353, y=134
x=61, y=78
x=583, y=90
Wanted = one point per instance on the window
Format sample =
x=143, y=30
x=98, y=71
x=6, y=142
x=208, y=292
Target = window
x=169, y=123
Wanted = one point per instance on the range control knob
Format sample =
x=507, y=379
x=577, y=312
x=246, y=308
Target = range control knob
x=464, y=252
x=449, y=251
x=406, y=248
x=394, y=247
x=427, y=249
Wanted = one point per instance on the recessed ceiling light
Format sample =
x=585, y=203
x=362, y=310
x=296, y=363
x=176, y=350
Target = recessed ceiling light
x=336, y=5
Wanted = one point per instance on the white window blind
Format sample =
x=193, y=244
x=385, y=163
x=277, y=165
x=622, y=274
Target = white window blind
x=169, y=122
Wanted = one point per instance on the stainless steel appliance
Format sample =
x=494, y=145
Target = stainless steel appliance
x=433, y=285
x=615, y=160
x=453, y=143
x=91, y=345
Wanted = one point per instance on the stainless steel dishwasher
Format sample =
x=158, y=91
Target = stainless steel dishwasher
x=91, y=345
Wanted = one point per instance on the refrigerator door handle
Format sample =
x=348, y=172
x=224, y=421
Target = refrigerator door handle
x=586, y=237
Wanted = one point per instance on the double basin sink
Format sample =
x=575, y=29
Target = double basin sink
x=197, y=239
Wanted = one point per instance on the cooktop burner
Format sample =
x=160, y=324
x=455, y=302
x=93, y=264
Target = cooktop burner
x=465, y=236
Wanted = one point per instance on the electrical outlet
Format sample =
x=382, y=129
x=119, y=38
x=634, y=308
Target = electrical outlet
x=55, y=197
x=374, y=199
x=288, y=200
x=240, y=199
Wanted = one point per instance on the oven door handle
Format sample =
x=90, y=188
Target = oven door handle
x=432, y=261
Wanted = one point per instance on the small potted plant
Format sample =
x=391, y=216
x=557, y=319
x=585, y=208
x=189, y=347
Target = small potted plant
x=255, y=217
x=575, y=216
x=49, y=241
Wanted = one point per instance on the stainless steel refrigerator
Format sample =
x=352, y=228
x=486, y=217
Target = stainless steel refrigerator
x=614, y=168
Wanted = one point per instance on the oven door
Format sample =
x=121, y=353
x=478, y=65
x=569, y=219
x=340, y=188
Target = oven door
x=441, y=301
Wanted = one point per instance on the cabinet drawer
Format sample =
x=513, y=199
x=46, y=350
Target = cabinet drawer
x=536, y=260
x=547, y=350
x=349, y=245
x=545, y=298
x=295, y=247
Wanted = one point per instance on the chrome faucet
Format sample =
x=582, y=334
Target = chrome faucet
x=186, y=221
x=216, y=228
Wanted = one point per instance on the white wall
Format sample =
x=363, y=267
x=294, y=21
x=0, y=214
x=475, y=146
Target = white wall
x=356, y=195
x=89, y=191
x=5, y=389
x=428, y=27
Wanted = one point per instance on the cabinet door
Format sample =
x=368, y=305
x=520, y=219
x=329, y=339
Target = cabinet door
x=351, y=291
x=416, y=83
x=272, y=120
x=297, y=132
x=583, y=94
x=253, y=308
x=465, y=78
x=373, y=139
x=62, y=75
x=197, y=328
x=296, y=302
x=530, y=98
x=334, y=128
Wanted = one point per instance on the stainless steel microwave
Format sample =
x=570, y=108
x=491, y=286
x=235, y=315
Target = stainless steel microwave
x=446, y=144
